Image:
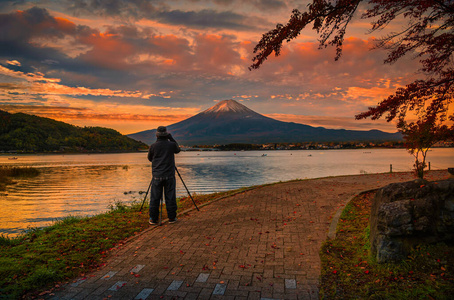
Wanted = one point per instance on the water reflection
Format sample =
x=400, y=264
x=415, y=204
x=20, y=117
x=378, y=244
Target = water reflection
x=87, y=184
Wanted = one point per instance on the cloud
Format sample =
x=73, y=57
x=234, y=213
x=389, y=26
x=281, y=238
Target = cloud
x=308, y=78
x=50, y=61
x=35, y=38
x=78, y=113
x=38, y=84
x=13, y=63
x=34, y=22
x=263, y=5
x=216, y=53
x=270, y=4
x=10, y=86
x=160, y=11
x=10, y=4
x=124, y=8
x=114, y=49
x=206, y=18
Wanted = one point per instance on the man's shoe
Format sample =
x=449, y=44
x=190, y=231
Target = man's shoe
x=152, y=222
x=171, y=221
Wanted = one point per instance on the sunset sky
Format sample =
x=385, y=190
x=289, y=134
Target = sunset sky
x=134, y=65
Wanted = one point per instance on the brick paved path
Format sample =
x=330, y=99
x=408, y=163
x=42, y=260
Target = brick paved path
x=260, y=244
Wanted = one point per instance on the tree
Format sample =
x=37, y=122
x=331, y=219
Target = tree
x=419, y=138
x=428, y=33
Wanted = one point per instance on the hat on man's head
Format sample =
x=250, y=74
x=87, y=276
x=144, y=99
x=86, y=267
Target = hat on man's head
x=162, y=131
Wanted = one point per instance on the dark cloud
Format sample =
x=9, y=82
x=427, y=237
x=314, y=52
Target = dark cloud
x=50, y=61
x=206, y=18
x=10, y=86
x=156, y=10
x=270, y=4
x=123, y=8
x=6, y=5
x=34, y=109
x=20, y=32
x=22, y=25
x=263, y=5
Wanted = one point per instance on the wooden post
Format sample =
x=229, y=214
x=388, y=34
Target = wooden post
x=390, y=168
x=429, y=165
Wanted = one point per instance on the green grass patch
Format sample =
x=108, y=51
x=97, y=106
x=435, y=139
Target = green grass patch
x=39, y=259
x=7, y=173
x=348, y=271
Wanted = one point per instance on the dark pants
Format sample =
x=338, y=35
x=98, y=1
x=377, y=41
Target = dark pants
x=158, y=185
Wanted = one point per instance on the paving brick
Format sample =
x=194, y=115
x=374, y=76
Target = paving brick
x=203, y=277
x=290, y=283
x=205, y=293
x=144, y=294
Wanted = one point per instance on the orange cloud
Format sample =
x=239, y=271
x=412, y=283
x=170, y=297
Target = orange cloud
x=216, y=52
x=369, y=96
x=41, y=85
x=65, y=24
x=108, y=50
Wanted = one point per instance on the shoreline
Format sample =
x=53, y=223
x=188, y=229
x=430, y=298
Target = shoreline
x=189, y=149
x=227, y=192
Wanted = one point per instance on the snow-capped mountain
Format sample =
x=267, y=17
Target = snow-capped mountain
x=231, y=122
x=229, y=106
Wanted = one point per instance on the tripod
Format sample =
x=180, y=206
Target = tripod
x=179, y=175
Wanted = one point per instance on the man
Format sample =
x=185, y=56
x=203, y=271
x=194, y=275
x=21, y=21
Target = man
x=162, y=157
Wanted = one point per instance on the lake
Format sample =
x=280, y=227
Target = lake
x=86, y=184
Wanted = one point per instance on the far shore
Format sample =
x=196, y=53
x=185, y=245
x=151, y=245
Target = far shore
x=215, y=148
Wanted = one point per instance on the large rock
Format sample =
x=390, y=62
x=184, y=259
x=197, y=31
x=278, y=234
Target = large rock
x=410, y=213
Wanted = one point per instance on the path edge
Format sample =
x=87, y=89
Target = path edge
x=332, y=231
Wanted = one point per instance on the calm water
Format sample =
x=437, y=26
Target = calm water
x=86, y=184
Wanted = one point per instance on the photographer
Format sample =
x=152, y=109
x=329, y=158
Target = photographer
x=162, y=157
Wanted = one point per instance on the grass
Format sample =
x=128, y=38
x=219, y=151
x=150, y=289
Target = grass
x=40, y=259
x=8, y=172
x=348, y=271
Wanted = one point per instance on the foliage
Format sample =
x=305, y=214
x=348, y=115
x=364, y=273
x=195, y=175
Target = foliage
x=22, y=132
x=428, y=33
x=348, y=272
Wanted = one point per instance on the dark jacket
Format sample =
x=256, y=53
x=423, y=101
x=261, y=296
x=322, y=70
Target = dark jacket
x=162, y=156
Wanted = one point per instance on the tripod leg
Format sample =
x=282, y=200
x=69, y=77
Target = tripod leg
x=186, y=189
x=160, y=218
x=146, y=194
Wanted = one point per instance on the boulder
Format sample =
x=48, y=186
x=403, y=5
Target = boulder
x=410, y=213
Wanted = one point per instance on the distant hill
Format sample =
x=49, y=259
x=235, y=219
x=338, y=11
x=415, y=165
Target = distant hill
x=231, y=122
x=23, y=132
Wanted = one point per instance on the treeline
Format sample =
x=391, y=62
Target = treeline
x=303, y=146
x=27, y=133
x=238, y=146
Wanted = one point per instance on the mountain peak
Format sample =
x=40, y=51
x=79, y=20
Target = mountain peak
x=228, y=106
